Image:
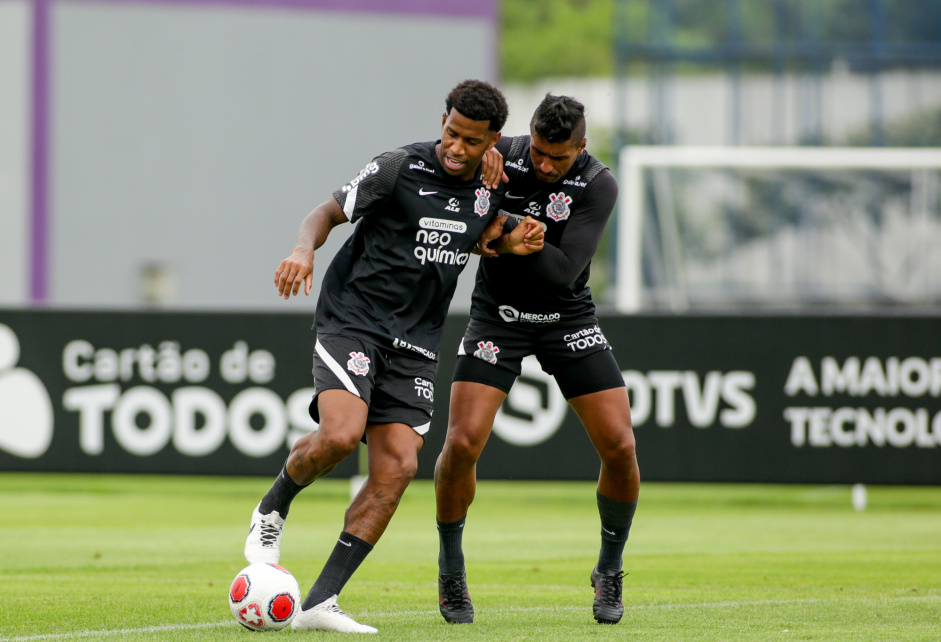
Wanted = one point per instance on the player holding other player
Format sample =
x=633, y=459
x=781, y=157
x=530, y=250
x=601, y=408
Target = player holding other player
x=382, y=306
x=526, y=305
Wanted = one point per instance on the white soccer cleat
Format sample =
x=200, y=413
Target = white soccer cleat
x=328, y=616
x=263, y=544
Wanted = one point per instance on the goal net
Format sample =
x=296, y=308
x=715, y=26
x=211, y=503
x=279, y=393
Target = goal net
x=758, y=227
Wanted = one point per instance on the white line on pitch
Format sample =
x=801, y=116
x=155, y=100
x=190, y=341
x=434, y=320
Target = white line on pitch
x=511, y=609
x=146, y=629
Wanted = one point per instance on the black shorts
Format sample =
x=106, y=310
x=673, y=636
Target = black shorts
x=577, y=355
x=397, y=388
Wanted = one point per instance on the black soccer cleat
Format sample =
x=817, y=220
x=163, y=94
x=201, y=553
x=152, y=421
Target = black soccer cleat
x=607, y=607
x=454, y=599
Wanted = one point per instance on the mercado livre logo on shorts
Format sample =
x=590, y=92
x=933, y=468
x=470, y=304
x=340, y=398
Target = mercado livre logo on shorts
x=510, y=314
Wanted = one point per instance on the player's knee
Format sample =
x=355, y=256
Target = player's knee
x=408, y=470
x=461, y=446
x=334, y=445
x=621, y=450
x=399, y=470
x=406, y=464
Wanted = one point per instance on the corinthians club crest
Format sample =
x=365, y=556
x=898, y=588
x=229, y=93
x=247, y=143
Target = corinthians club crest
x=486, y=351
x=558, y=207
x=482, y=204
x=358, y=364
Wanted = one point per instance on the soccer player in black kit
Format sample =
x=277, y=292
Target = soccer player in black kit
x=541, y=304
x=420, y=211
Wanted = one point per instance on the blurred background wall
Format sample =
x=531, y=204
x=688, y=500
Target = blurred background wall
x=14, y=152
x=816, y=231
x=160, y=153
x=164, y=152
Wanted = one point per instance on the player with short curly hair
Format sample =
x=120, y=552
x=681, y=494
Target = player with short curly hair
x=420, y=210
x=476, y=100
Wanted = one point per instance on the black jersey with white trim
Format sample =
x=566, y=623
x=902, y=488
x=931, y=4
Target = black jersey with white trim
x=551, y=285
x=392, y=280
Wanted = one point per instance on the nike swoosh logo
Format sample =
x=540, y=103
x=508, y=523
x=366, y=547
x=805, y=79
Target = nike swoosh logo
x=344, y=543
x=607, y=531
x=422, y=192
x=508, y=195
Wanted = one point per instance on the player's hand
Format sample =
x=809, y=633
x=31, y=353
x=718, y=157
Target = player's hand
x=527, y=237
x=492, y=169
x=292, y=272
x=493, y=231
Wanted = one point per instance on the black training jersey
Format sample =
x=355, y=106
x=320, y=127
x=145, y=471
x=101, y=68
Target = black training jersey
x=551, y=285
x=393, y=279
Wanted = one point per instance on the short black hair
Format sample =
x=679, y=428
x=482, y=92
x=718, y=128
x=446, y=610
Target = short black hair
x=559, y=119
x=479, y=100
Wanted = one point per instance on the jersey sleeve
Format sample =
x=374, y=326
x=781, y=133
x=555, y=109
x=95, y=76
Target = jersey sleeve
x=562, y=264
x=503, y=145
x=372, y=187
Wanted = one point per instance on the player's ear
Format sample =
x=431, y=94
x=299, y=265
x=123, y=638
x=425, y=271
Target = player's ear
x=493, y=142
x=581, y=147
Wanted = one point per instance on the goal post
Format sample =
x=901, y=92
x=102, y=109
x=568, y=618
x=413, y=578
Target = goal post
x=646, y=184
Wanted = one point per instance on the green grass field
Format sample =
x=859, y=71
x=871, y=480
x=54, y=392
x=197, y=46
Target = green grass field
x=150, y=558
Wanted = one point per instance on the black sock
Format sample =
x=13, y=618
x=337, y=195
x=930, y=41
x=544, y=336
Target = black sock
x=450, y=553
x=616, y=518
x=346, y=557
x=282, y=493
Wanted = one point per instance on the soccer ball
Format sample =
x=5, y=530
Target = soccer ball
x=264, y=597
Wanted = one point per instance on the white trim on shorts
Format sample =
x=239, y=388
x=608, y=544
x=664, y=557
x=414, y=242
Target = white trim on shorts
x=336, y=369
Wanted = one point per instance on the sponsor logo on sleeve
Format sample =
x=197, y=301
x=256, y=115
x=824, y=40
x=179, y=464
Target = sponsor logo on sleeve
x=516, y=165
x=366, y=172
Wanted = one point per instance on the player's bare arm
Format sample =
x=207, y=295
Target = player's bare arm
x=492, y=232
x=298, y=268
x=492, y=169
x=527, y=237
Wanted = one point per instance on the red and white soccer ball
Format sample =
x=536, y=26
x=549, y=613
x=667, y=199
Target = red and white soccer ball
x=264, y=597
